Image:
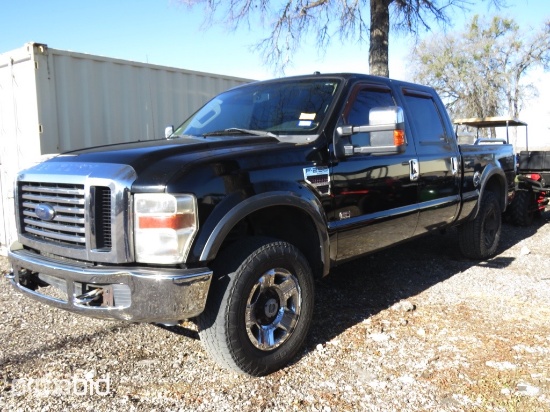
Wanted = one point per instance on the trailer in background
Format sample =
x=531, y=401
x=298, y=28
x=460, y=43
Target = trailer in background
x=52, y=101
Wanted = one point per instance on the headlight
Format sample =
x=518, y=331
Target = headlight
x=164, y=227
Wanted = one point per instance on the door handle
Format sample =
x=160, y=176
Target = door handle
x=413, y=170
x=454, y=165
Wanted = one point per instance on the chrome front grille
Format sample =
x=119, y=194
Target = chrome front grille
x=77, y=210
x=66, y=225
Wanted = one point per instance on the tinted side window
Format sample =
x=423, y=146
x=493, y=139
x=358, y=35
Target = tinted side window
x=425, y=118
x=358, y=114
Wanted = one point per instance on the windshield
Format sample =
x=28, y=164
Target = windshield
x=296, y=107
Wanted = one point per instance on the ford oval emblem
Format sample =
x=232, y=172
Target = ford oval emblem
x=44, y=211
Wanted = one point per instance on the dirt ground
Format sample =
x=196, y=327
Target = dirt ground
x=413, y=328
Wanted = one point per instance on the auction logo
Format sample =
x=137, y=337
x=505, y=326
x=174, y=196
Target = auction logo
x=44, y=387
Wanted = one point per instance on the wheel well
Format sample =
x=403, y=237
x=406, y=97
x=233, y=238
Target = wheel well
x=496, y=185
x=286, y=223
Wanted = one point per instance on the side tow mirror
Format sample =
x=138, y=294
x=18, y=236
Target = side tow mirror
x=387, y=132
x=168, y=131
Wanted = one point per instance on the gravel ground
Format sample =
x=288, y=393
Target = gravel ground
x=414, y=328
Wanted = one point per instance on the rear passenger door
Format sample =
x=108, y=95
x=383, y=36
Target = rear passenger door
x=373, y=195
x=438, y=161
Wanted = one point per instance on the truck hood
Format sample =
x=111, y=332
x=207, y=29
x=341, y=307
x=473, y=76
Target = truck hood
x=158, y=161
x=138, y=154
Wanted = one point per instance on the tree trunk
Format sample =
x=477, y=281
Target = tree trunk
x=379, y=35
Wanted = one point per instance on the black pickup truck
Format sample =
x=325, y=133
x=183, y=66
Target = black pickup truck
x=230, y=220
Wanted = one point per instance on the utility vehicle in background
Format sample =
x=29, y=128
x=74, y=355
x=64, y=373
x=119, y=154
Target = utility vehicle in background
x=533, y=167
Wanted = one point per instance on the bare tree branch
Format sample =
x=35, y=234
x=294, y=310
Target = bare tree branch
x=291, y=22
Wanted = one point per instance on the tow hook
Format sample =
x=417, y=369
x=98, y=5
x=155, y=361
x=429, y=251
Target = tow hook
x=102, y=296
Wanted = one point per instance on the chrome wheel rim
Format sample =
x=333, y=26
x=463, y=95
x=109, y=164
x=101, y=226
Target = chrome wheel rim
x=272, y=309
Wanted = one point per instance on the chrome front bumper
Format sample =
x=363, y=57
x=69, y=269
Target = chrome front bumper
x=135, y=294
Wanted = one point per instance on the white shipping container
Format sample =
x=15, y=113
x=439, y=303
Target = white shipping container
x=52, y=101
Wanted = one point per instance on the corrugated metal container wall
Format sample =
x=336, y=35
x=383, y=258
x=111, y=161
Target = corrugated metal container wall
x=53, y=101
x=102, y=100
x=19, y=133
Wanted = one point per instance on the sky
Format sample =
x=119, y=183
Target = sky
x=166, y=32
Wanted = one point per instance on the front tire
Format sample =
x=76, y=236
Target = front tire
x=260, y=306
x=479, y=238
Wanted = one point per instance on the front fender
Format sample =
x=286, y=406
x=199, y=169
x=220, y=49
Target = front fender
x=233, y=209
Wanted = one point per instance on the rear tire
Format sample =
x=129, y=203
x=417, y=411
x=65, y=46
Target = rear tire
x=523, y=208
x=260, y=306
x=479, y=238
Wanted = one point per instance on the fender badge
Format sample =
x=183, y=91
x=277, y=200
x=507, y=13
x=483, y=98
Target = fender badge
x=318, y=178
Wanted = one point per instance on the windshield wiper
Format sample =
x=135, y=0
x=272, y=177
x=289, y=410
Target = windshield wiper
x=237, y=130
